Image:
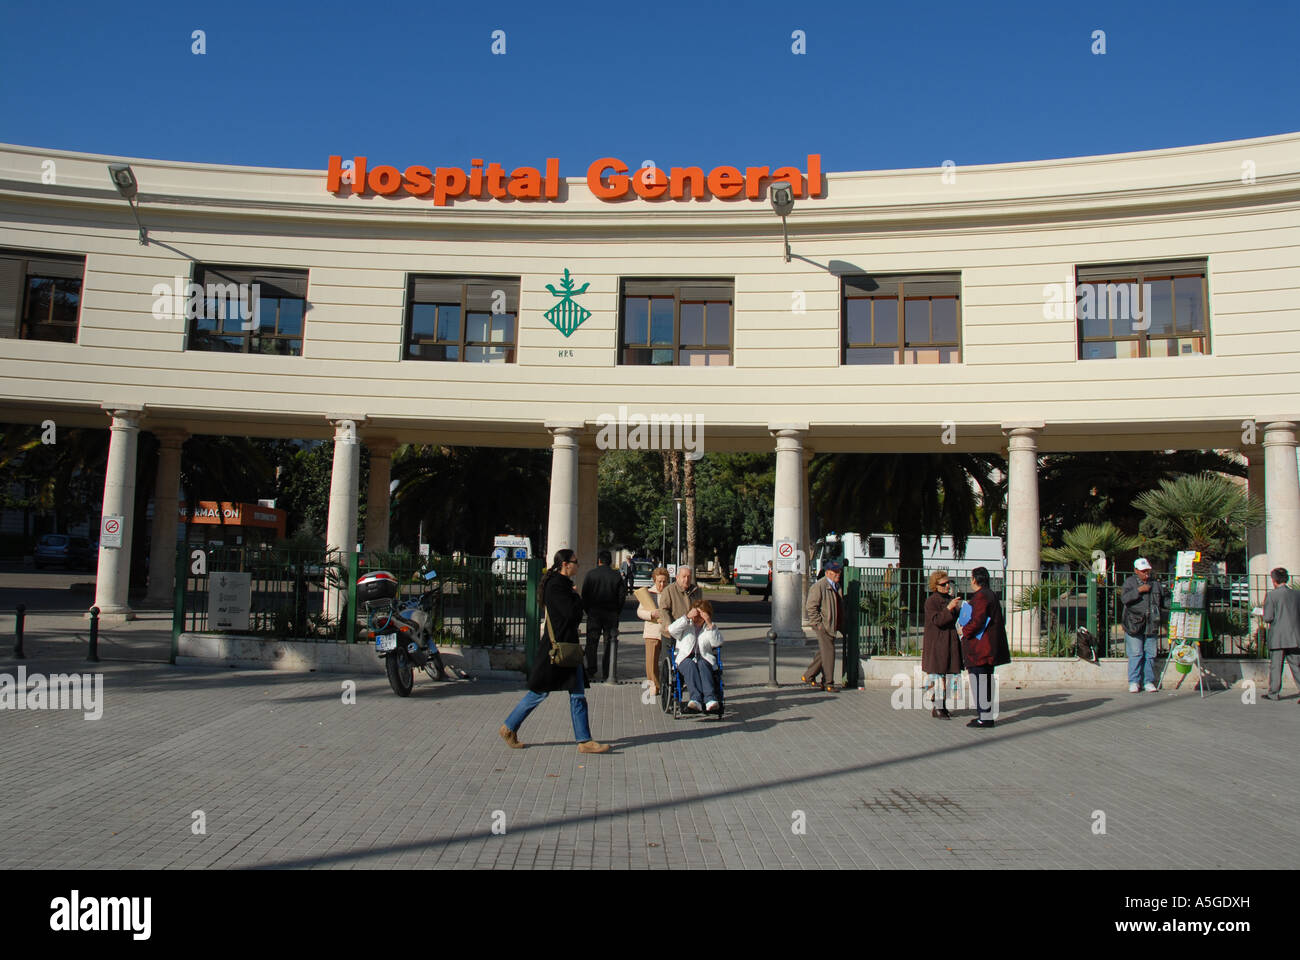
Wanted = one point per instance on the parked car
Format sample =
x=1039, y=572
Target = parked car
x=59, y=549
x=641, y=574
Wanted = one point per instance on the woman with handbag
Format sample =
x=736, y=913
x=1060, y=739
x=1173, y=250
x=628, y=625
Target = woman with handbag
x=651, y=632
x=558, y=664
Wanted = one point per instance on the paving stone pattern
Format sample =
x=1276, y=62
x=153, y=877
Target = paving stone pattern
x=288, y=775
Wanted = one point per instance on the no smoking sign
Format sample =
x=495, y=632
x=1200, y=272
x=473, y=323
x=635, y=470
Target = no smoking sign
x=110, y=532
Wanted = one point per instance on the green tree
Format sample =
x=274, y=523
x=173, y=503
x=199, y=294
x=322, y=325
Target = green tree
x=1083, y=542
x=911, y=495
x=1095, y=487
x=1205, y=512
x=465, y=496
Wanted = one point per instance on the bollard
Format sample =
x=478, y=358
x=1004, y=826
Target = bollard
x=771, y=659
x=613, y=661
x=18, y=631
x=94, y=635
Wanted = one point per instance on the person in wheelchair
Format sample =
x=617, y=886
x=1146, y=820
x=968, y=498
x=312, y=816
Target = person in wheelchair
x=698, y=641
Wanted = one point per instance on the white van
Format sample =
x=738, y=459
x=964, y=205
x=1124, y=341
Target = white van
x=749, y=571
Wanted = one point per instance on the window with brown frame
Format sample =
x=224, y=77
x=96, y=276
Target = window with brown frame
x=465, y=319
x=1142, y=310
x=248, y=310
x=676, y=322
x=901, y=319
x=40, y=296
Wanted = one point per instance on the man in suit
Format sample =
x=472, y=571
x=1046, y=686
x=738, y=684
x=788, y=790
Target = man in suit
x=1282, y=614
x=983, y=646
x=825, y=612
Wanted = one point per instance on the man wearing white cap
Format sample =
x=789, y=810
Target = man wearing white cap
x=1146, y=606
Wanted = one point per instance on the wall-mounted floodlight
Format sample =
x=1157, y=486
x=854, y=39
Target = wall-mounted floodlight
x=782, y=197
x=123, y=178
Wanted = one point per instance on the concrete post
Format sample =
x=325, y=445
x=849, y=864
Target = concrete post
x=562, y=522
x=805, y=539
x=113, y=576
x=377, y=494
x=166, y=499
x=1256, y=537
x=588, y=509
x=341, y=527
x=787, y=524
x=1282, y=492
x=1024, y=539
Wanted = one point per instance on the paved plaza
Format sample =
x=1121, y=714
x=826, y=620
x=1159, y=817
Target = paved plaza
x=288, y=774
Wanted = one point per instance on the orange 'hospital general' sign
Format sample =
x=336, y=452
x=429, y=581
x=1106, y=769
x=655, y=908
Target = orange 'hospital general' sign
x=607, y=179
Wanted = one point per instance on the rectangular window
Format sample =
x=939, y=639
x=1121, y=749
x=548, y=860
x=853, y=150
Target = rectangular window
x=901, y=319
x=248, y=310
x=676, y=322
x=471, y=319
x=40, y=296
x=1142, y=310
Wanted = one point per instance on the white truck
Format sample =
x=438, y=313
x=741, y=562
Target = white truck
x=880, y=550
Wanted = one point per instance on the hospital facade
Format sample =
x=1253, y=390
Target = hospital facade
x=1135, y=301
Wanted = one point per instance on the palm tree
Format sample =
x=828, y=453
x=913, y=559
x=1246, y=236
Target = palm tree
x=1094, y=487
x=913, y=494
x=467, y=495
x=1082, y=544
x=1205, y=512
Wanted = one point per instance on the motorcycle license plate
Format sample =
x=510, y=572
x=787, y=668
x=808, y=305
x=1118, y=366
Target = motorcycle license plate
x=385, y=642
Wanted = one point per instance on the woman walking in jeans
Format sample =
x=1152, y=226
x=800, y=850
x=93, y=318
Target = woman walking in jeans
x=564, y=607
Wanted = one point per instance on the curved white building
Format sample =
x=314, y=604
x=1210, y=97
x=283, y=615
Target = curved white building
x=1136, y=301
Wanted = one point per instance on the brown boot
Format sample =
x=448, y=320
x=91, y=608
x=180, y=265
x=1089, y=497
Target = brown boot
x=591, y=746
x=509, y=737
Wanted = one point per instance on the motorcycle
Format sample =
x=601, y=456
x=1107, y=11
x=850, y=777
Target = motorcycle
x=403, y=630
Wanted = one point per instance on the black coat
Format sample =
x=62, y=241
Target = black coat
x=565, y=608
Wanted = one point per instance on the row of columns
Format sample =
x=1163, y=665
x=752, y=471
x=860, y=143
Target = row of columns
x=572, y=521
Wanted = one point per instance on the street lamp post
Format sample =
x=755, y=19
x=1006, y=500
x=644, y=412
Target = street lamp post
x=663, y=538
x=677, y=537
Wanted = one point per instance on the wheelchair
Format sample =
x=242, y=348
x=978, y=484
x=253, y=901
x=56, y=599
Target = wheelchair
x=670, y=684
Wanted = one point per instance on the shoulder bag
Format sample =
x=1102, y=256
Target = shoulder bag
x=563, y=654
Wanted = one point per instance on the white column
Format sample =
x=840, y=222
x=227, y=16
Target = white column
x=1256, y=537
x=1282, y=496
x=113, y=577
x=588, y=511
x=341, y=527
x=166, y=497
x=787, y=524
x=805, y=538
x=377, y=494
x=562, y=522
x=1023, y=530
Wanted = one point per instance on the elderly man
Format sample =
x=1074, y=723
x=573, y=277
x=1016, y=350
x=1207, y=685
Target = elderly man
x=1146, y=605
x=1282, y=615
x=825, y=611
x=677, y=598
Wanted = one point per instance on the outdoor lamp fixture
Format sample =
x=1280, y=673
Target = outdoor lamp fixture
x=123, y=178
x=782, y=198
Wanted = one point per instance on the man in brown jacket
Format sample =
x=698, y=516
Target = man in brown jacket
x=677, y=598
x=825, y=611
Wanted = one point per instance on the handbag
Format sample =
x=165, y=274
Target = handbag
x=563, y=654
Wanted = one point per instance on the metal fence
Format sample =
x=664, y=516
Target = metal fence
x=1043, y=611
x=311, y=595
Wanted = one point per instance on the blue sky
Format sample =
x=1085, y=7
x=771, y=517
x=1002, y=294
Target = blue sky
x=703, y=83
